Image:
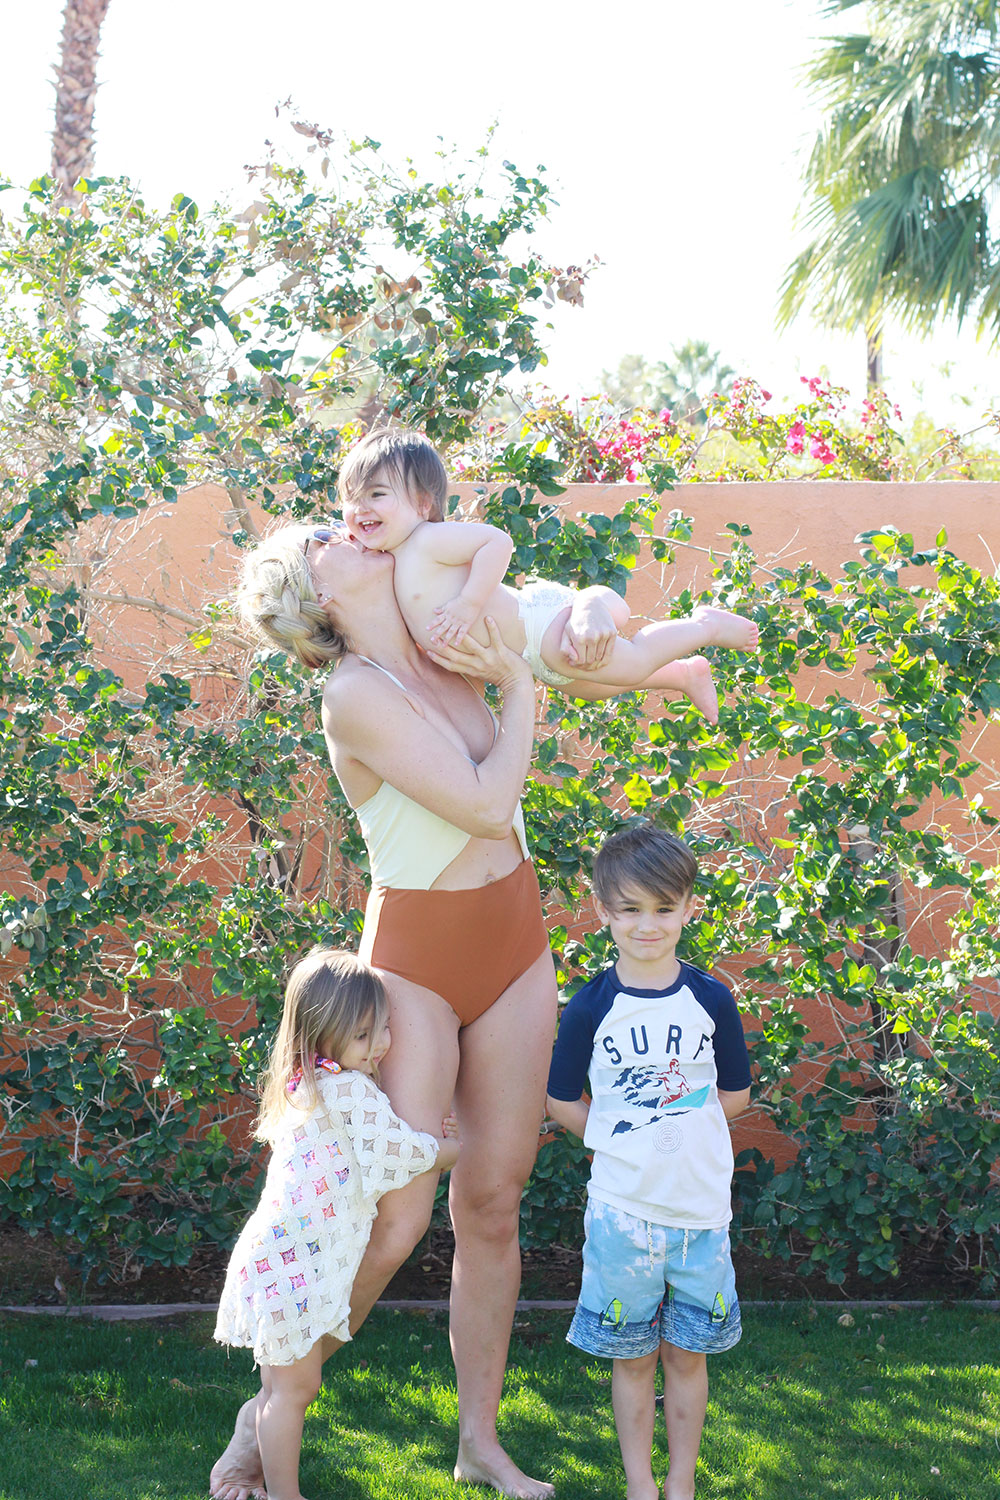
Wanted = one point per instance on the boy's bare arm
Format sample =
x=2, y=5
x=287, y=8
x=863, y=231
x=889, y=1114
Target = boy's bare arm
x=733, y=1101
x=572, y=1113
x=486, y=551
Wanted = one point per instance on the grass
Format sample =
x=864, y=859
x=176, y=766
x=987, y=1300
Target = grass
x=902, y=1405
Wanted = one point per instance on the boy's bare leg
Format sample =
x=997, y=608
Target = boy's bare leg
x=685, y=1399
x=633, y=1401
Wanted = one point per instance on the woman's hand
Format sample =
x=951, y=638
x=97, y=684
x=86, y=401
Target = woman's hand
x=493, y=662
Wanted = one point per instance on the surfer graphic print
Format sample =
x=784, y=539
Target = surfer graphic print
x=655, y=1061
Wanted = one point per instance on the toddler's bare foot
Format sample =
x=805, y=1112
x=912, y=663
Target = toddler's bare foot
x=692, y=676
x=682, y=1492
x=238, y=1474
x=495, y=1468
x=727, y=629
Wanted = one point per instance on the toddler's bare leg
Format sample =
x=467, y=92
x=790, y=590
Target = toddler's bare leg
x=634, y=663
x=632, y=1399
x=685, y=1398
x=691, y=676
x=279, y=1421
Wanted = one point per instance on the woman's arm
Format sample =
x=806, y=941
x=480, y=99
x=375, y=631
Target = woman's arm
x=368, y=720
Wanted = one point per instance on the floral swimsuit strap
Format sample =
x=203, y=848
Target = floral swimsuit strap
x=320, y=1064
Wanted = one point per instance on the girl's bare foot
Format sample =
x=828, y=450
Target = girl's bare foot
x=239, y=1474
x=496, y=1469
x=735, y=632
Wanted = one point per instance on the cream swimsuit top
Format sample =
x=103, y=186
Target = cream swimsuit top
x=408, y=846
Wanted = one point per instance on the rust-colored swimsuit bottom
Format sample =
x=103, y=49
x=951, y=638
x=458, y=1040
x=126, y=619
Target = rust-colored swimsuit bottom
x=466, y=946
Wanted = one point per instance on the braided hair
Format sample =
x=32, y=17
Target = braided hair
x=277, y=602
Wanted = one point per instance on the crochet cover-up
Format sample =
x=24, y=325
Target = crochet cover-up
x=291, y=1272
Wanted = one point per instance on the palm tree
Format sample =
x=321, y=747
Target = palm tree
x=76, y=90
x=903, y=177
x=684, y=382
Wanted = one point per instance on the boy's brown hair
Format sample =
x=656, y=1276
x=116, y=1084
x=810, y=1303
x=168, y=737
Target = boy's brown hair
x=408, y=456
x=644, y=858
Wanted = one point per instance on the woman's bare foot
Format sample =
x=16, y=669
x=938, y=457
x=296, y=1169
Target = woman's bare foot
x=735, y=632
x=238, y=1474
x=496, y=1469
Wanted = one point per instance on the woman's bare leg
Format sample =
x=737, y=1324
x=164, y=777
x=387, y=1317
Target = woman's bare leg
x=418, y=1074
x=499, y=1100
x=238, y=1473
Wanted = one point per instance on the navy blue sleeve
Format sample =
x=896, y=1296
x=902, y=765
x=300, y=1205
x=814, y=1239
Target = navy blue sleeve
x=574, y=1047
x=732, y=1064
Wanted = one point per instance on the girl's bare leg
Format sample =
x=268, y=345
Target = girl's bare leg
x=685, y=1399
x=499, y=1101
x=633, y=663
x=632, y=1397
x=289, y=1390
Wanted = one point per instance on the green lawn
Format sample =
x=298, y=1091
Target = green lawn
x=901, y=1406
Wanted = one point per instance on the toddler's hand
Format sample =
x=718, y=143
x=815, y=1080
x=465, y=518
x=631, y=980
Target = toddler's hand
x=589, y=637
x=452, y=621
x=449, y=1127
x=447, y=1154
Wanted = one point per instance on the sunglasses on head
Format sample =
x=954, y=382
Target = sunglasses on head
x=322, y=534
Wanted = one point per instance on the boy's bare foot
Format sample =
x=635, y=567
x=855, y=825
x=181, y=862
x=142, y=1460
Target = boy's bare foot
x=735, y=632
x=496, y=1469
x=681, y=1494
x=239, y=1474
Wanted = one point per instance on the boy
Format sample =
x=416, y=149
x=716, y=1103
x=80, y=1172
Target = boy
x=663, y=1046
x=449, y=574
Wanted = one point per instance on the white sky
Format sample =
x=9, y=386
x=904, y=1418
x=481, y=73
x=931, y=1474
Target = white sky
x=669, y=132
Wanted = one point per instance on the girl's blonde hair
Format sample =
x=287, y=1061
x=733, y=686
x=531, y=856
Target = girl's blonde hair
x=329, y=997
x=277, y=601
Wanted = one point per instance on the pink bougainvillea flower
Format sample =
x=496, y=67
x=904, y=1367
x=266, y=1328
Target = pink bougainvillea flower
x=765, y=395
x=819, y=448
x=796, y=440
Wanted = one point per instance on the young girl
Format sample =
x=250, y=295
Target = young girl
x=449, y=574
x=336, y=1147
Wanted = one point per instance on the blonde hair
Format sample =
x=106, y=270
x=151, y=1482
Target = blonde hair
x=330, y=995
x=408, y=456
x=277, y=600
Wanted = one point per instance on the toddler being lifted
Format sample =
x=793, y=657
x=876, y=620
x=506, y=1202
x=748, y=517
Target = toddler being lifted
x=449, y=575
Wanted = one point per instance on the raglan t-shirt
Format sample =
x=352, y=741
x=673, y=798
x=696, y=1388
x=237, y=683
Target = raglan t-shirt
x=655, y=1060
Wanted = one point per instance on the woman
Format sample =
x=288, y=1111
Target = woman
x=454, y=923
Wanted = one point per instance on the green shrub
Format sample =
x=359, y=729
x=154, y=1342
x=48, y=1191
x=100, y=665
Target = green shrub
x=158, y=836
